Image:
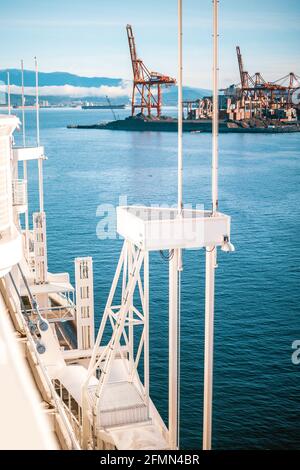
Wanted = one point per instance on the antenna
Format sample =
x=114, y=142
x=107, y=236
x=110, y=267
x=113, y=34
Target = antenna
x=40, y=160
x=179, y=143
x=37, y=107
x=25, y=176
x=211, y=255
x=8, y=92
x=180, y=212
x=23, y=106
x=215, y=123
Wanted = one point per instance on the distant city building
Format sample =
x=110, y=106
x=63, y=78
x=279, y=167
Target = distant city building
x=44, y=104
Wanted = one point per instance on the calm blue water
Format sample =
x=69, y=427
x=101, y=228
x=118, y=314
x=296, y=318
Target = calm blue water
x=256, y=386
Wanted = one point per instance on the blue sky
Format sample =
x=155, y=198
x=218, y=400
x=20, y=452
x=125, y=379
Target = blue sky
x=88, y=37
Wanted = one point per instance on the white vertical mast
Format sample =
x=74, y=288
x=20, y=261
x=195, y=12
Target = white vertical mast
x=40, y=161
x=211, y=256
x=180, y=164
x=215, y=123
x=175, y=266
x=208, y=346
x=37, y=102
x=8, y=92
x=173, y=349
x=23, y=106
x=24, y=145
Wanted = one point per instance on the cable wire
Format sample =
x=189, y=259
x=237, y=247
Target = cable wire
x=167, y=257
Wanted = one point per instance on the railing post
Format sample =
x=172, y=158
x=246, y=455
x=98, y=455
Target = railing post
x=84, y=303
x=40, y=247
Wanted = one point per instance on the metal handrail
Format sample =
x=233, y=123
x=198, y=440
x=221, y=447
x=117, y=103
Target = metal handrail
x=54, y=396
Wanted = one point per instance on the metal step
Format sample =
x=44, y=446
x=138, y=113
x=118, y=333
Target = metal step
x=121, y=404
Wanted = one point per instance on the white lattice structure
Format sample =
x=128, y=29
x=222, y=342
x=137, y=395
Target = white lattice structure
x=126, y=397
x=40, y=247
x=122, y=398
x=84, y=303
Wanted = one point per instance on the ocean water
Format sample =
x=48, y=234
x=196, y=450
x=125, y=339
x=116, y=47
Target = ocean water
x=257, y=318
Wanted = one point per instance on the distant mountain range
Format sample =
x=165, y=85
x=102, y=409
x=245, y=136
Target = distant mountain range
x=56, y=79
x=66, y=87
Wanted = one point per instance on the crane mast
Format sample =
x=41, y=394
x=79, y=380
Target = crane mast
x=240, y=62
x=146, y=91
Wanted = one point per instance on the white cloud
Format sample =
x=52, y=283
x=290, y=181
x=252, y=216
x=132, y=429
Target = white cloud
x=73, y=91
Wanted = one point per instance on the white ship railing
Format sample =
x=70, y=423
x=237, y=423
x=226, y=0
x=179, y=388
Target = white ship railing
x=58, y=404
x=19, y=191
x=62, y=312
x=70, y=406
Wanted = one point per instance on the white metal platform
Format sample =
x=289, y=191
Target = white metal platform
x=152, y=228
x=28, y=153
x=121, y=404
x=57, y=283
x=140, y=437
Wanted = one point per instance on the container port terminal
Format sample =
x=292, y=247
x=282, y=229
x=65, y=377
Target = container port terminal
x=254, y=105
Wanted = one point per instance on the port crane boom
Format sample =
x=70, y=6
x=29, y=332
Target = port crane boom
x=111, y=108
x=146, y=92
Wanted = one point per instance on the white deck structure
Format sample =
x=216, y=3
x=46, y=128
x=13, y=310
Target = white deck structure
x=120, y=399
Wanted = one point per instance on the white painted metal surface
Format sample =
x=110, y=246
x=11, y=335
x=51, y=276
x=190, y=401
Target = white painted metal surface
x=180, y=111
x=139, y=437
x=5, y=190
x=215, y=121
x=7, y=126
x=211, y=253
x=40, y=247
x=73, y=378
x=10, y=238
x=152, y=228
x=129, y=324
x=173, y=349
x=121, y=404
x=54, y=285
x=28, y=153
x=23, y=424
x=19, y=195
x=84, y=303
x=11, y=250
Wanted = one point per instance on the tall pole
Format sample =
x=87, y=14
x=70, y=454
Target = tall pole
x=37, y=102
x=208, y=346
x=175, y=265
x=23, y=105
x=179, y=136
x=210, y=259
x=25, y=176
x=8, y=92
x=180, y=211
x=173, y=349
x=40, y=160
x=146, y=328
x=215, y=124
